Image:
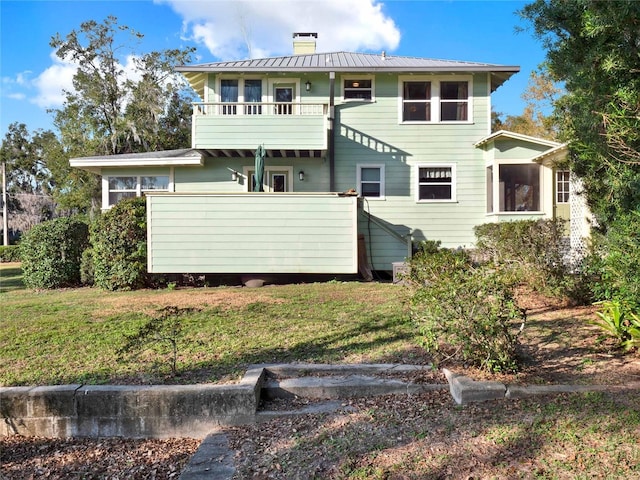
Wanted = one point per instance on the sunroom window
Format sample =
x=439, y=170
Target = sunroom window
x=122, y=187
x=519, y=188
x=436, y=183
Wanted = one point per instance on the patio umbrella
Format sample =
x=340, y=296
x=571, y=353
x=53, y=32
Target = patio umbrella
x=259, y=167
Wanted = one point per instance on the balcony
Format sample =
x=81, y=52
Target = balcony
x=236, y=129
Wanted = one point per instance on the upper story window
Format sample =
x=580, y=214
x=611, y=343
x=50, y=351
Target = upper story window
x=433, y=99
x=370, y=180
x=562, y=186
x=358, y=89
x=253, y=94
x=454, y=101
x=243, y=90
x=229, y=94
x=122, y=187
x=416, y=102
x=436, y=183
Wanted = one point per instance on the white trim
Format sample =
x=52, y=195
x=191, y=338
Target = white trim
x=356, y=76
x=435, y=81
x=518, y=136
x=267, y=173
x=96, y=164
x=273, y=82
x=452, y=166
x=359, y=168
x=138, y=190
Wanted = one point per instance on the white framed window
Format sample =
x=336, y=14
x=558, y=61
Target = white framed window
x=416, y=101
x=119, y=187
x=433, y=99
x=358, y=88
x=370, y=181
x=436, y=183
x=247, y=92
x=454, y=101
x=562, y=186
x=519, y=187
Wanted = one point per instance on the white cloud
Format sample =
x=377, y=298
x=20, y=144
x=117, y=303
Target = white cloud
x=52, y=81
x=234, y=29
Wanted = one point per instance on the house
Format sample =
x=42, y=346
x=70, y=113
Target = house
x=364, y=154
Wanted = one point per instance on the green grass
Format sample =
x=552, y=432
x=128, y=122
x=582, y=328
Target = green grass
x=10, y=277
x=72, y=335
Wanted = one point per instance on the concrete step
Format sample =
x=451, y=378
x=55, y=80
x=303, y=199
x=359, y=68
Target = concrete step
x=340, y=387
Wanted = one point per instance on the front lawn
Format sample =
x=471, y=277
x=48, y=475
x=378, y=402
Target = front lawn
x=72, y=335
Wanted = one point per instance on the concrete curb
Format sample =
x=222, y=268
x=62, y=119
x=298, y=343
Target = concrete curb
x=464, y=390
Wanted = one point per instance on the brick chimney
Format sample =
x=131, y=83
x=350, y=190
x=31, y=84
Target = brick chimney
x=304, y=43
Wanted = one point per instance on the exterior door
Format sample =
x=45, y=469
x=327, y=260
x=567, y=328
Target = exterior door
x=283, y=96
x=274, y=181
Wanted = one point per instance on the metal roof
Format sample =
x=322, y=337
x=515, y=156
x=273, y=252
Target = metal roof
x=345, y=62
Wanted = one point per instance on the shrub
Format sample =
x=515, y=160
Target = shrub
x=9, y=253
x=618, y=263
x=119, y=244
x=51, y=253
x=530, y=250
x=463, y=311
x=87, y=276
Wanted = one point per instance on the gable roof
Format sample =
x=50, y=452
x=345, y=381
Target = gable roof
x=347, y=62
x=502, y=134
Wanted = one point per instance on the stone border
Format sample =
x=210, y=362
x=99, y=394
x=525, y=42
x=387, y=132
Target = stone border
x=130, y=411
x=162, y=411
x=465, y=390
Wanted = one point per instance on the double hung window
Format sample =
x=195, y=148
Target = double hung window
x=433, y=99
x=454, y=101
x=416, y=102
x=370, y=180
x=436, y=183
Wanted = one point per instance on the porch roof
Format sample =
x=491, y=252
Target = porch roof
x=180, y=157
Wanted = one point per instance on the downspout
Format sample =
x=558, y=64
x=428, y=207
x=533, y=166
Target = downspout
x=330, y=132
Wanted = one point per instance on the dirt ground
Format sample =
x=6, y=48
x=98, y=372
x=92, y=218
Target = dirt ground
x=557, y=347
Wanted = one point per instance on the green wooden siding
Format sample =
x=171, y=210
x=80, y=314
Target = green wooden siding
x=371, y=133
x=513, y=149
x=252, y=233
x=215, y=175
x=306, y=132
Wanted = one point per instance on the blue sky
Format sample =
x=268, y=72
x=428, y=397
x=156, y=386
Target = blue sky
x=32, y=78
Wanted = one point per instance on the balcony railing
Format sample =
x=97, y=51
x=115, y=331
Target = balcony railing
x=259, y=108
x=243, y=125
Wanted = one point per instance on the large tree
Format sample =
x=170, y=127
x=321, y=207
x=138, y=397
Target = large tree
x=28, y=181
x=593, y=47
x=536, y=119
x=110, y=110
